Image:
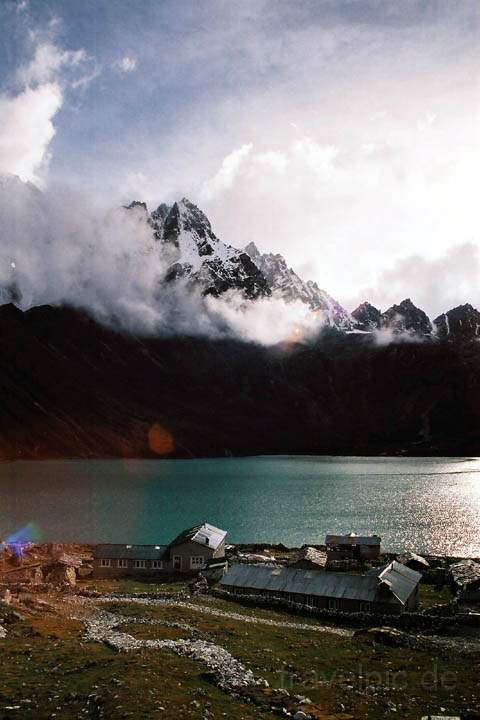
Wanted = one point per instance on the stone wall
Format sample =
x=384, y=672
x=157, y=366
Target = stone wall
x=407, y=620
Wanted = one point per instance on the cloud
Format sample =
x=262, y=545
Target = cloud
x=56, y=248
x=47, y=62
x=226, y=175
x=382, y=162
x=126, y=64
x=435, y=285
x=26, y=129
x=27, y=116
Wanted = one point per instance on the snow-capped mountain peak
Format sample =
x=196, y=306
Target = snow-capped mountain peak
x=252, y=250
x=192, y=251
x=284, y=282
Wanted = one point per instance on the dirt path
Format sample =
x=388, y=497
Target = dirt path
x=342, y=632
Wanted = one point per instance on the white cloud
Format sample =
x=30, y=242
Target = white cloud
x=137, y=187
x=84, y=81
x=26, y=129
x=319, y=158
x=47, y=62
x=126, y=64
x=27, y=117
x=57, y=248
x=436, y=284
x=226, y=175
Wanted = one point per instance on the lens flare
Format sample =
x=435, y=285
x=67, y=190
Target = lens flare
x=160, y=440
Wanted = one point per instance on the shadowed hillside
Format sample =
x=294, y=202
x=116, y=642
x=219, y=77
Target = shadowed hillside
x=73, y=388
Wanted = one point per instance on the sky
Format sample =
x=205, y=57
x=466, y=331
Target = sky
x=343, y=134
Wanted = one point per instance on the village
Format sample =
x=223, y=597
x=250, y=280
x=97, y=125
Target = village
x=242, y=615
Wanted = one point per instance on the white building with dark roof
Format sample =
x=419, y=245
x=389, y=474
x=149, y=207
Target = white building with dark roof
x=188, y=552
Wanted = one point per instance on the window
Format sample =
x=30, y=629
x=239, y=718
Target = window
x=105, y=563
x=140, y=563
x=197, y=561
x=177, y=562
x=122, y=563
x=333, y=604
x=365, y=607
x=157, y=564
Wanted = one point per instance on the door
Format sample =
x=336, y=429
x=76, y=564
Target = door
x=177, y=562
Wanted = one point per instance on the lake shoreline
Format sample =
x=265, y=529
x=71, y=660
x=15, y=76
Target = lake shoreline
x=400, y=453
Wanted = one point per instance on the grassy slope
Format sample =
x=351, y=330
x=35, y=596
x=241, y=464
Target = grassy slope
x=45, y=662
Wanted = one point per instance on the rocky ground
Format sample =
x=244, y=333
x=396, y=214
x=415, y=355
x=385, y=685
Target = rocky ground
x=114, y=653
x=126, y=648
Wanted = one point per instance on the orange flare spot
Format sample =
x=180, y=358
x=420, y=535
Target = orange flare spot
x=160, y=440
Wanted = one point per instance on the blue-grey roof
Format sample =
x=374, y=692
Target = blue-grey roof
x=391, y=587
x=130, y=552
x=352, y=539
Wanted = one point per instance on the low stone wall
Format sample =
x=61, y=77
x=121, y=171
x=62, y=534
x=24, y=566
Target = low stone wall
x=405, y=621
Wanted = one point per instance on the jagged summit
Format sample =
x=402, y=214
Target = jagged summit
x=406, y=317
x=136, y=204
x=194, y=253
x=190, y=251
x=252, y=250
x=460, y=323
x=161, y=212
x=285, y=283
x=367, y=317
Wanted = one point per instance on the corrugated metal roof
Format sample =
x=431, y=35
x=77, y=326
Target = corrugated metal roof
x=130, y=552
x=353, y=539
x=367, y=588
x=204, y=534
x=401, y=579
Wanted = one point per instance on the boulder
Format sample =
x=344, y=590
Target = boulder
x=465, y=577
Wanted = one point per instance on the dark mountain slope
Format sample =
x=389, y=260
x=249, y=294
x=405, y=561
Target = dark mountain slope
x=71, y=387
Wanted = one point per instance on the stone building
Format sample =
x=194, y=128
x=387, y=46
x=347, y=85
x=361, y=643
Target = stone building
x=353, y=547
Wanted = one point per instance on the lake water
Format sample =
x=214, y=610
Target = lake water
x=424, y=504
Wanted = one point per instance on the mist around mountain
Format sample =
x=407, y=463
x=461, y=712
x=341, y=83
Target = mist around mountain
x=139, y=333
x=165, y=272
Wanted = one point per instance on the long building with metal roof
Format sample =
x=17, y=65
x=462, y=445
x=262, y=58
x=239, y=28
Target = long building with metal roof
x=391, y=589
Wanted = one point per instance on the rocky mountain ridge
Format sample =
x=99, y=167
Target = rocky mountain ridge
x=461, y=323
x=286, y=284
x=193, y=251
x=189, y=252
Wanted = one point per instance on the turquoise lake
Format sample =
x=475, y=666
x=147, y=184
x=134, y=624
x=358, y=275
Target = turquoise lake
x=424, y=504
